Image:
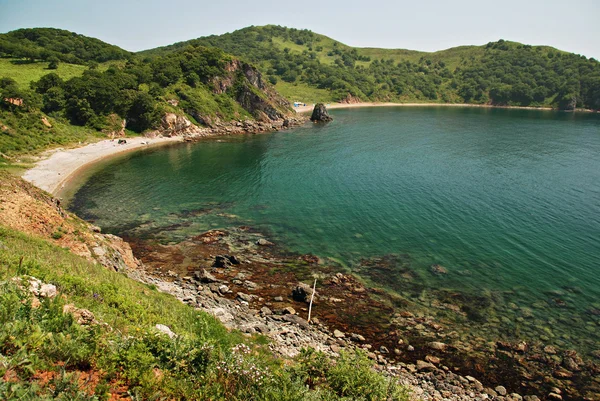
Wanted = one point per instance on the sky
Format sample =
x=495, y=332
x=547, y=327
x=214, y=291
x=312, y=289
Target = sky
x=424, y=25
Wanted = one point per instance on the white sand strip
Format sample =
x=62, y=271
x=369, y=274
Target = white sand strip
x=51, y=173
x=309, y=108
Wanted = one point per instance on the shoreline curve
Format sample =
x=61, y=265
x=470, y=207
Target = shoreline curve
x=308, y=108
x=60, y=166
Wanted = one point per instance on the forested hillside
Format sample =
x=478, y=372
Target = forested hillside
x=60, y=87
x=58, y=45
x=204, y=84
x=499, y=73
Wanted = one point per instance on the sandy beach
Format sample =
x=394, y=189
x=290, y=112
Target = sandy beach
x=52, y=172
x=330, y=106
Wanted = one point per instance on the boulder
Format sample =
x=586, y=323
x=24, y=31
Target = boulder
x=81, y=316
x=165, y=330
x=296, y=320
x=320, y=114
x=302, y=293
x=264, y=311
x=246, y=297
x=338, y=334
x=48, y=291
x=205, y=277
x=425, y=366
x=288, y=310
x=437, y=346
x=501, y=390
x=432, y=359
x=221, y=261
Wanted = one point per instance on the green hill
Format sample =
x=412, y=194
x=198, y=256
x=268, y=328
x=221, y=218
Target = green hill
x=50, y=43
x=41, y=107
x=84, y=87
x=499, y=73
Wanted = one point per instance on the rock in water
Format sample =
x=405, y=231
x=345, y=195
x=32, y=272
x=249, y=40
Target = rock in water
x=320, y=114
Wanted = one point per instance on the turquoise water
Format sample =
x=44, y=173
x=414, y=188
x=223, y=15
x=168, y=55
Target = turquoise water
x=506, y=200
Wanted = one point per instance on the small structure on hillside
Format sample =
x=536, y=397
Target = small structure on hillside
x=320, y=114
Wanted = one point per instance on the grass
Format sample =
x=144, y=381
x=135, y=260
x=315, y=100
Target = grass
x=24, y=133
x=46, y=355
x=301, y=92
x=452, y=57
x=25, y=72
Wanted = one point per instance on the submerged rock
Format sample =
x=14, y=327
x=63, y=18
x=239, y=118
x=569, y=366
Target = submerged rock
x=438, y=269
x=320, y=114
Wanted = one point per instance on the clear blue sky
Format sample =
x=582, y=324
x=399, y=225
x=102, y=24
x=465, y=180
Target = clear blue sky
x=571, y=25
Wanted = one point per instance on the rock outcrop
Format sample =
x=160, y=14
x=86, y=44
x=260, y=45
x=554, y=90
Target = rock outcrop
x=320, y=114
x=30, y=210
x=251, y=92
x=349, y=99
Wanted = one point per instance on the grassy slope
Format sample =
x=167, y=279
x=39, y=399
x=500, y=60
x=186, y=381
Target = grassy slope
x=45, y=354
x=26, y=72
x=39, y=137
x=300, y=91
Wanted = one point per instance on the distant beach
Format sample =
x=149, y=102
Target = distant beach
x=309, y=107
x=53, y=172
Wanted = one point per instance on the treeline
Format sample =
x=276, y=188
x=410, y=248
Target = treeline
x=139, y=92
x=510, y=73
x=51, y=44
x=506, y=74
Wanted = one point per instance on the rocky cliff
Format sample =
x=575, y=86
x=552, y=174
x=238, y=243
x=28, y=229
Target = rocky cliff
x=30, y=210
x=251, y=92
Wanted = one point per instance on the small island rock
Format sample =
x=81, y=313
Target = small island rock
x=320, y=114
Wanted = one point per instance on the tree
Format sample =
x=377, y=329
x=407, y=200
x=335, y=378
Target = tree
x=46, y=82
x=143, y=113
x=79, y=111
x=54, y=100
x=53, y=63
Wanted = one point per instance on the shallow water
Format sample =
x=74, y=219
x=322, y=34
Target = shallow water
x=508, y=201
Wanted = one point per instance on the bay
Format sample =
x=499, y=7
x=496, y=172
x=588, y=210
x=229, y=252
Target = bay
x=505, y=200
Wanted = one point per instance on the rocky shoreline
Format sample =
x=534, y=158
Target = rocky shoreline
x=252, y=285
x=242, y=279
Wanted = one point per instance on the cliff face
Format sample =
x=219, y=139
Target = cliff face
x=32, y=211
x=246, y=86
x=249, y=89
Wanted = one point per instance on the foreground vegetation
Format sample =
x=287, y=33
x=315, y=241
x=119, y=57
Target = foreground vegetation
x=46, y=354
x=499, y=73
